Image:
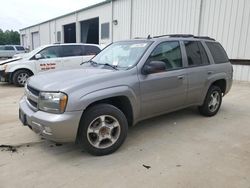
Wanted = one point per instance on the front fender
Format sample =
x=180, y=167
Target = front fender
x=12, y=68
x=85, y=100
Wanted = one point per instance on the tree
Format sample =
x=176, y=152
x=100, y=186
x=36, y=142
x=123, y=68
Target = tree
x=9, y=37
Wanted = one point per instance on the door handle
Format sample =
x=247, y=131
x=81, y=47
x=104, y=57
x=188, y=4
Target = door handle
x=210, y=72
x=180, y=77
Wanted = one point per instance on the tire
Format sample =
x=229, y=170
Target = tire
x=211, y=105
x=102, y=122
x=20, y=77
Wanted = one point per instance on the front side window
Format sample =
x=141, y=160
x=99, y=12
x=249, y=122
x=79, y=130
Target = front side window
x=71, y=50
x=196, y=54
x=122, y=54
x=169, y=53
x=50, y=52
x=20, y=48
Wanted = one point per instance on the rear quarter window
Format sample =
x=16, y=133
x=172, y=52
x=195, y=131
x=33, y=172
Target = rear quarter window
x=218, y=52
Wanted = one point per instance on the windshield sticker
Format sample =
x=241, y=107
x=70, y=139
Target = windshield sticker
x=115, y=63
x=140, y=45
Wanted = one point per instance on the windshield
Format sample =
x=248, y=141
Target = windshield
x=123, y=54
x=33, y=52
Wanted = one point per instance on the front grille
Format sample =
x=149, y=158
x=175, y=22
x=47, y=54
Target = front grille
x=33, y=91
x=32, y=97
x=33, y=103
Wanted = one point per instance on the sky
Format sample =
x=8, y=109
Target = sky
x=17, y=14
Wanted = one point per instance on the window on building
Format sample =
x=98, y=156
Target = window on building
x=217, y=51
x=58, y=36
x=105, y=31
x=196, y=54
x=169, y=53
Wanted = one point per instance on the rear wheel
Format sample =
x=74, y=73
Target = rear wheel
x=212, y=102
x=103, y=129
x=20, y=77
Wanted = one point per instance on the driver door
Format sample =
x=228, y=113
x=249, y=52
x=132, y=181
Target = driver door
x=167, y=90
x=50, y=59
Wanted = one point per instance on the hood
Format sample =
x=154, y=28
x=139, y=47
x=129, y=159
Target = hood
x=10, y=60
x=63, y=80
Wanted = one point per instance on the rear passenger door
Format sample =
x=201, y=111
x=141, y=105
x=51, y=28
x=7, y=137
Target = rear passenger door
x=197, y=70
x=72, y=55
x=9, y=51
x=164, y=91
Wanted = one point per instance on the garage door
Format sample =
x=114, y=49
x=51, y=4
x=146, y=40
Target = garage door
x=35, y=40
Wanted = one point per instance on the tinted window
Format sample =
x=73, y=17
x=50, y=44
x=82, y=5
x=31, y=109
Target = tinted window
x=204, y=57
x=169, y=53
x=72, y=50
x=20, y=48
x=217, y=52
x=91, y=50
x=195, y=56
x=50, y=52
x=9, y=48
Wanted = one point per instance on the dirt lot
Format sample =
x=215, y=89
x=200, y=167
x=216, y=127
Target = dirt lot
x=183, y=149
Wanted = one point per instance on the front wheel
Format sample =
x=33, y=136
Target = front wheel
x=103, y=129
x=20, y=77
x=212, y=102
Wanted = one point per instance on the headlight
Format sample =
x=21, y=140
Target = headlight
x=52, y=102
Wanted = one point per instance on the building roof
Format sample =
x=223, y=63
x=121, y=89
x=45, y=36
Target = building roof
x=74, y=12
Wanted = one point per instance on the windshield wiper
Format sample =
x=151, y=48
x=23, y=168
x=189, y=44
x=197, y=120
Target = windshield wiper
x=96, y=64
x=109, y=65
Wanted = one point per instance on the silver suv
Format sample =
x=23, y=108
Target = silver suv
x=125, y=83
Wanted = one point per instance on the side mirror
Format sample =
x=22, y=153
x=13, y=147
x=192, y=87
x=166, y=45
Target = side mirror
x=154, y=67
x=38, y=56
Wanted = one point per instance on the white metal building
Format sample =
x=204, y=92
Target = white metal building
x=228, y=21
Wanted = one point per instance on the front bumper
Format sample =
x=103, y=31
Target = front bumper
x=4, y=77
x=54, y=127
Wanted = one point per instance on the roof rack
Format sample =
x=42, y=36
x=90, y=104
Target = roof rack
x=185, y=36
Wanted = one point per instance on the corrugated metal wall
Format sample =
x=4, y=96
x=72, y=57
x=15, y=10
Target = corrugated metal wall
x=158, y=17
x=228, y=21
x=241, y=72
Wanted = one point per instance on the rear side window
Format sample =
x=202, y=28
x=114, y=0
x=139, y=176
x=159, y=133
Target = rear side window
x=196, y=54
x=20, y=48
x=9, y=48
x=217, y=51
x=71, y=50
x=91, y=50
x=169, y=53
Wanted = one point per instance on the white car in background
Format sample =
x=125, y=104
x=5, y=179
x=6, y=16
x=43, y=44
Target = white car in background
x=49, y=57
x=8, y=51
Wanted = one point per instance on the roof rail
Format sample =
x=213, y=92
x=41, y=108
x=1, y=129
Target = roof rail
x=204, y=37
x=175, y=35
x=185, y=36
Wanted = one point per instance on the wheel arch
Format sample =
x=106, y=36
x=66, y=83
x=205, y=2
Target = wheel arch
x=26, y=69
